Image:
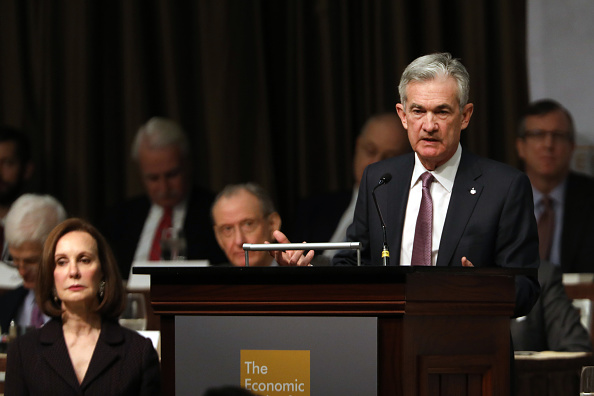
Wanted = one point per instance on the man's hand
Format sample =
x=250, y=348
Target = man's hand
x=466, y=262
x=290, y=257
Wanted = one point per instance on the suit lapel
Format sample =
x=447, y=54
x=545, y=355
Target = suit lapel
x=465, y=194
x=55, y=353
x=394, y=204
x=106, y=351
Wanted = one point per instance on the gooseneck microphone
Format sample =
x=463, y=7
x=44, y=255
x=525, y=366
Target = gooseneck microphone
x=385, y=179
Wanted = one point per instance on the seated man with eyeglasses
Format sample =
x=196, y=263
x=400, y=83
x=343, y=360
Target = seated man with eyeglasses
x=244, y=213
x=28, y=223
x=562, y=198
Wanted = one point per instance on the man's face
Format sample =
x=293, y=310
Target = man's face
x=27, y=258
x=12, y=173
x=238, y=219
x=165, y=174
x=381, y=139
x=434, y=120
x=547, y=147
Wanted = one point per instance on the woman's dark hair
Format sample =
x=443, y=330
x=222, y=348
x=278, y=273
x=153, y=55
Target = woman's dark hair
x=113, y=302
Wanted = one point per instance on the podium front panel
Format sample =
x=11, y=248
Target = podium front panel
x=342, y=353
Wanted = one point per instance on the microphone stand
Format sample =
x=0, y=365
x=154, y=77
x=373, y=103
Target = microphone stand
x=385, y=248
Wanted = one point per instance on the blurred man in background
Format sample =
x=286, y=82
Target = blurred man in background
x=16, y=168
x=562, y=198
x=28, y=223
x=134, y=228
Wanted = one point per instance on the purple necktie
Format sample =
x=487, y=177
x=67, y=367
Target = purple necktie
x=421, y=254
x=546, y=227
x=36, y=317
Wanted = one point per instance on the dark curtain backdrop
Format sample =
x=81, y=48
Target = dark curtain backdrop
x=272, y=91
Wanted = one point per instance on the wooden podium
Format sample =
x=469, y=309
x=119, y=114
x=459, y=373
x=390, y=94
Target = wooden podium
x=441, y=331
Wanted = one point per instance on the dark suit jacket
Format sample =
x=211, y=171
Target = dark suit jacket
x=494, y=227
x=123, y=363
x=123, y=225
x=577, y=236
x=553, y=324
x=10, y=303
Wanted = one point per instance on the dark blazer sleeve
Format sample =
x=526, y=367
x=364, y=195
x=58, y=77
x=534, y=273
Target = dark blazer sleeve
x=553, y=324
x=151, y=371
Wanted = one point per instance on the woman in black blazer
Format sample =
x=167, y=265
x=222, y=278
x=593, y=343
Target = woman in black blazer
x=82, y=350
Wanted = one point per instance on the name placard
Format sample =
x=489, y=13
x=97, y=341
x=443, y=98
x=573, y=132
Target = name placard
x=278, y=373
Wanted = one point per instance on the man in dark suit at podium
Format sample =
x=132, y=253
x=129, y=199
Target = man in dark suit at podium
x=443, y=206
x=133, y=228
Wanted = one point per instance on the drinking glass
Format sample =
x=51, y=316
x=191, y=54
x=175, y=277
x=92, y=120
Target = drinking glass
x=587, y=381
x=173, y=244
x=134, y=315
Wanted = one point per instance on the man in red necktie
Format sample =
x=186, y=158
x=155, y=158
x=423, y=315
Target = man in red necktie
x=134, y=227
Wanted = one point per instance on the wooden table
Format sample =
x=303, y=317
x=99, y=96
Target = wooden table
x=550, y=373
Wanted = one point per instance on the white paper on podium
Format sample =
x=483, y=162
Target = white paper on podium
x=9, y=277
x=142, y=282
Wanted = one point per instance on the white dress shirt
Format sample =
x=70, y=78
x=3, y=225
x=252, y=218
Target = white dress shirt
x=441, y=192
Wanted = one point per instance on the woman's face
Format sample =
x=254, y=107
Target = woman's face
x=78, y=271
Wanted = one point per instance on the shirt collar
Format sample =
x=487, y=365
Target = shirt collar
x=557, y=194
x=444, y=174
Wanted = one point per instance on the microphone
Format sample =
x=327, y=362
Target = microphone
x=385, y=179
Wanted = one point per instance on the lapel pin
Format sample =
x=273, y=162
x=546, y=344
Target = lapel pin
x=472, y=191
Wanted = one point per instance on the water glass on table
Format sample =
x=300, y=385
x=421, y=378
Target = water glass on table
x=134, y=315
x=173, y=244
x=587, y=381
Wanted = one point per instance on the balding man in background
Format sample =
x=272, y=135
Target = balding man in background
x=325, y=218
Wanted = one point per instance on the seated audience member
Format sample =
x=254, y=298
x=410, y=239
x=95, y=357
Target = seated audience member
x=134, y=228
x=28, y=223
x=82, y=349
x=553, y=324
x=562, y=198
x=244, y=213
x=325, y=217
x=16, y=170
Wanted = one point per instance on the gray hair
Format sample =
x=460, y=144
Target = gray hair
x=31, y=218
x=255, y=189
x=160, y=132
x=429, y=67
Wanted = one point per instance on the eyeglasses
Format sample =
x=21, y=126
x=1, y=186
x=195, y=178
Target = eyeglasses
x=246, y=226
x=540, y=136
x=25, y=264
